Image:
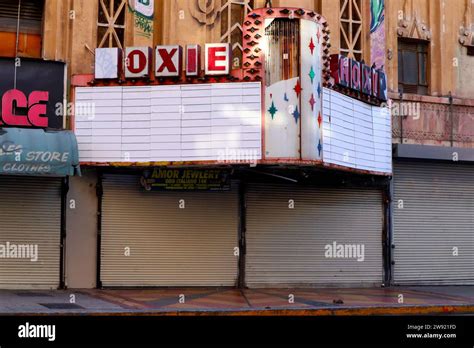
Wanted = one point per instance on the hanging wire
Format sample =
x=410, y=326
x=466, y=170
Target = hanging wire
x=17, y=42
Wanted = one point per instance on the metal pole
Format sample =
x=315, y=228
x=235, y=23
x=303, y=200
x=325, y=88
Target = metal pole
x=242, y=231
x=100, y=194
x=63, y=261
x=390, y=244
x=401, y=116
x=451, y=120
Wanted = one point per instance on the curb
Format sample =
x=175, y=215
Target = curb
x=348, y=311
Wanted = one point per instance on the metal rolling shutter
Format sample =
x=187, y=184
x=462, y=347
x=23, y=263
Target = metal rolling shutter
x=169, y=246
x=30, y=213
x=286, y=247
x=437, y=215
x=31, y=16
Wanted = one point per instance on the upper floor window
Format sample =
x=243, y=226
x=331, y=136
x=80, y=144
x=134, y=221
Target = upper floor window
x=233, y=13
x=351, y=28
x=413, y=66
x=111, y=23
x=21, y=26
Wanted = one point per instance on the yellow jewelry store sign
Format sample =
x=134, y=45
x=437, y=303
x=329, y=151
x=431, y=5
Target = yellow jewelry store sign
x=185, y=179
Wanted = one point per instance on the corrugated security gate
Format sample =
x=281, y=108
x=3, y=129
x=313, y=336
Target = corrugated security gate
x=167, y=245
x=298, y=247
x=31, y=15
x=433, y=221
x=30, y=232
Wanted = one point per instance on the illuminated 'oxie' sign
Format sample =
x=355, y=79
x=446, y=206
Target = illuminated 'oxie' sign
x=31, y=101
x=351, y=74
x=137, y=62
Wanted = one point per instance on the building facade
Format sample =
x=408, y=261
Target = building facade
x=249, y=143
x=37, y=153
x=431, y=82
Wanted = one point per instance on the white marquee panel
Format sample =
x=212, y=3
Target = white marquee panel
x=356, y=135
x=201, y=122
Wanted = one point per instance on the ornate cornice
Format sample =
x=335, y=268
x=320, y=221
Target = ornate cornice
x=204, y=11
x=466, y=33
x=411, y=25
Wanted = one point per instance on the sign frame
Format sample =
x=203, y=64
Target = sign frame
x=186, y=179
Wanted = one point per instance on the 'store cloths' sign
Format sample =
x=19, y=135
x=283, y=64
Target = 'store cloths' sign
x=35, y=152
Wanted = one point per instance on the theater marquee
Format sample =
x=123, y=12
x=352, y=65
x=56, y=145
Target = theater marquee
x=292, y=102
x=169, y=59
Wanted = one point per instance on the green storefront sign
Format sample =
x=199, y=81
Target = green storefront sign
x=36, y=152
x=186, y=179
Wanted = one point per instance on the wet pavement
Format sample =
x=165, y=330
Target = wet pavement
x=225, y=301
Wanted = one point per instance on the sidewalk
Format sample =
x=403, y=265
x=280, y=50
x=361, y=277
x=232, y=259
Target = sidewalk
x=214, y=301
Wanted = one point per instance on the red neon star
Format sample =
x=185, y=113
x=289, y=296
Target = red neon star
x=320, y=119
x=312, y=46
x=312, y=102
x=298, y=88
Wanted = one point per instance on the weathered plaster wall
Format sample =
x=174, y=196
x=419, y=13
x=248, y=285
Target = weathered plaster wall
x=451, y=70
x=81, y=235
